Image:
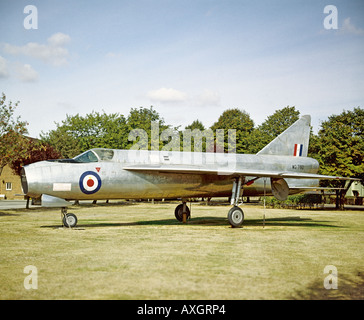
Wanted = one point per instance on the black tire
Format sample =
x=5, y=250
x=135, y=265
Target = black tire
x=178, y=212
x=71, y=220
x=236, y=217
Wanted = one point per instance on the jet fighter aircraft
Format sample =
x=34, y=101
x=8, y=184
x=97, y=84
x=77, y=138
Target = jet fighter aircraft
x=279, y=169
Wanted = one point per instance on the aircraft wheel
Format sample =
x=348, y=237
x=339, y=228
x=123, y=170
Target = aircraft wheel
x=178, y=212
x=236, y=217
x=70, y=221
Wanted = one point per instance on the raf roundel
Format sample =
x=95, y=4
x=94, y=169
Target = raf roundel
x=90, y=182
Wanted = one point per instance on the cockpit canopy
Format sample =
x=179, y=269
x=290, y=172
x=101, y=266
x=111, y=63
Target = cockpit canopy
x=95, y=155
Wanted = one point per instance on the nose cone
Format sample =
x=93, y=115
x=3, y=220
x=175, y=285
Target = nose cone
x=24, y=182
x=29, y=181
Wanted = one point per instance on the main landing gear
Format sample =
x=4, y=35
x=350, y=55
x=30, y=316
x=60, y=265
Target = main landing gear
x=69, y=220
x=182, y=212
x=235, y=214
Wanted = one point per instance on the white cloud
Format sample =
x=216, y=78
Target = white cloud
x=59, y=39
x=165, y=95
x=348, y=27
x=54, y=52
x=26, y=73
x=4, y=73
x=170, y=95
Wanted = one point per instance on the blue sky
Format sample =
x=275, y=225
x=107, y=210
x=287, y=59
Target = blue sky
x=189, y=59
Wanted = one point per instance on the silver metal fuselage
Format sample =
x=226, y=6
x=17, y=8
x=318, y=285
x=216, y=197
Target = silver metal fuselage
x=116, y=180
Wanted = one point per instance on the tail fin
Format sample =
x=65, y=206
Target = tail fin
x=291, y=142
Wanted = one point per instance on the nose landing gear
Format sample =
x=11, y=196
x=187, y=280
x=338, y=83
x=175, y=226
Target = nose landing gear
x=69, y=220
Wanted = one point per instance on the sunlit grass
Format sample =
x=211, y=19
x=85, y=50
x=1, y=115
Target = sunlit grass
x=140, y=251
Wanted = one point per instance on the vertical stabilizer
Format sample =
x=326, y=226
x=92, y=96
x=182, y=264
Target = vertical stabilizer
x=291, y=142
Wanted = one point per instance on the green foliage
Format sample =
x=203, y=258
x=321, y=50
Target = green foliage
x=194, y=137
x=7, y=121
x=339, y=149
x=139, y=122
x=240, y=121
x=196, y=124
x=295, y=201
x=273, y=126
x=62, y=141
x=339, y=146
x=12, y=144
x=141, y=118
x=78, y=133
x=279, y=121
x=97, y=130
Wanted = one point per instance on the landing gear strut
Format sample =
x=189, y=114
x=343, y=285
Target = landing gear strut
x=235, y=214
x=69, y=219
x=182, y=212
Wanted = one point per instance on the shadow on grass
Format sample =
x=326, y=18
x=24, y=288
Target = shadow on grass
x=290, y=222
x=211, y=221
x=348, y=289
x=100, y=203
x=8, y=214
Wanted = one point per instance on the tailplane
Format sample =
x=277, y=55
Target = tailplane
x=291, y=142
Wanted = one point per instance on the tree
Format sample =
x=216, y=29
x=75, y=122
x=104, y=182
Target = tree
x=62, y=141
x=339, y=148
x=12, y=129
x=273, y=126
x=35, y=151
x=140, y=122
x=195, y=135
x=196, y=124
x=98, y=130
x=78, y=133
x=240, y=121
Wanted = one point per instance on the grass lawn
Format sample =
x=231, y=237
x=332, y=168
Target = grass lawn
x=139, y=251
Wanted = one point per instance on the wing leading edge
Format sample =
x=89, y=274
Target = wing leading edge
x=250, y=173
